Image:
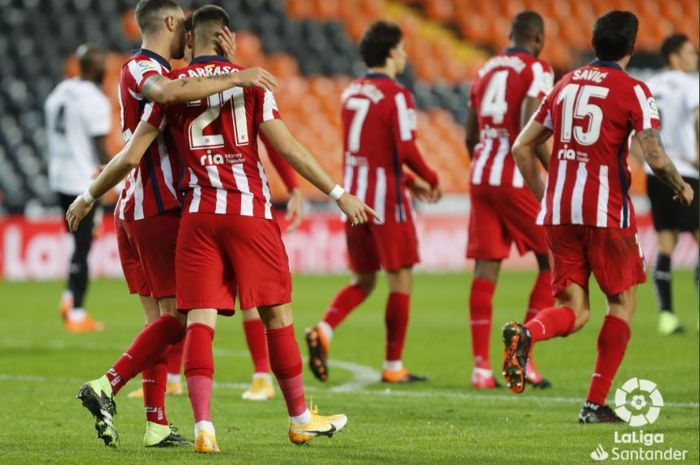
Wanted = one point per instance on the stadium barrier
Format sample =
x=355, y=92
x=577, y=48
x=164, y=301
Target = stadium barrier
x=39, y=250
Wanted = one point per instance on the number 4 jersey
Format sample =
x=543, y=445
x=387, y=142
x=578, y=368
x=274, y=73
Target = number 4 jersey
x=497, y=96
x=591, y=112
x=217, y=142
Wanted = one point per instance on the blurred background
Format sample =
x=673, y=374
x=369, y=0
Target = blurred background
x=311, y=46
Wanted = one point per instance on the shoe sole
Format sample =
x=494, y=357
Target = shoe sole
x=513, y=371
x=104, y=426
x=317, y=362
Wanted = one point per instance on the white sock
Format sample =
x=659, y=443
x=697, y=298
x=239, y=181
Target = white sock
x=483, y=372
x=67, y=295
x=204, y=425
x=172, y=378
x=393, y=365
x=77, y=314
x=266, y=376
x=327, y=330
x=302, y=419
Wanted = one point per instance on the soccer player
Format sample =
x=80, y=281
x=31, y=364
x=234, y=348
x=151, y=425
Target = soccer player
x=379, y=123
x=229, y=243
x=586, y=207
x=78, y=119
x=676, y=93
x=505, y=94
x=147, y=217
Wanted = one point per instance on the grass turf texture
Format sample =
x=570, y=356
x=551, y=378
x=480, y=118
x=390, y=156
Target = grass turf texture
x=442, y=421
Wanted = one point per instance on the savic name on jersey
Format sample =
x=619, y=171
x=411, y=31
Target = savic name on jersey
x=497, y=95
x=592, y=112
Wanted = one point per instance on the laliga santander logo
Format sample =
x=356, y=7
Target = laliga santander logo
x=638, y=402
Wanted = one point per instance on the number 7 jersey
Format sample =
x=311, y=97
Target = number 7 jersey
x=591, y=112
x=217, y=141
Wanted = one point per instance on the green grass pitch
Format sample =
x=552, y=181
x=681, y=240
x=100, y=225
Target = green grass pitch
x=442, y=421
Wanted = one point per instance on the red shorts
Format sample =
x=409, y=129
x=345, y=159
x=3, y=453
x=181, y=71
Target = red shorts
x=221, y=256
x=391, y=245
x=614, y=256
x=501, y=216
x=147, y=253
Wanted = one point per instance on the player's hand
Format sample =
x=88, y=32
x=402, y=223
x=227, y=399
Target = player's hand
x=686, y=194
x=435, y=194
x=227, y=42
x=97, y=172
x=420, y=189
x=295, y=210
x=76, y=212
x=256, y=77
x=356, y=210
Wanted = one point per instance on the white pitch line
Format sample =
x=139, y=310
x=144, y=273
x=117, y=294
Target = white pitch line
x=541, y=400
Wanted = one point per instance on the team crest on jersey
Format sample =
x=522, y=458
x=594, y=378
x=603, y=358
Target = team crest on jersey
x=147, y=65
x=653, y=108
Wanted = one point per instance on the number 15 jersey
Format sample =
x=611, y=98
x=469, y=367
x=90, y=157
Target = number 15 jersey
x=591, y=112
x=217, y=140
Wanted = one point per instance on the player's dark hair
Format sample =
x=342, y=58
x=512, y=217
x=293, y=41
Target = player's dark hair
x=188, y=23
x=148, y=13
x=210, y=14
x=526, y=26
x=614, y=35
x=671, y=45
x=88, y=54
x=379, y=39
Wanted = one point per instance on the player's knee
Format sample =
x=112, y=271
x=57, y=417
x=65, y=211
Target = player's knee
x=581, y=319
x=168, y=307
x=366, y=281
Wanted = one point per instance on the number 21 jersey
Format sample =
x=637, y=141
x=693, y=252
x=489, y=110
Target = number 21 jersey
x=591, y=112
x=217, y=140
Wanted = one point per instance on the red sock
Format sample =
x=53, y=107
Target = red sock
x=396, y=319
x=344, y=302
x=154, y=380
x=174, y=357
x=285, y=361
x=146, y=348
x=257, y=345
x=480, y=314
x=612, y=342
x=541, y=295
x=199, y=369
x=551, y=322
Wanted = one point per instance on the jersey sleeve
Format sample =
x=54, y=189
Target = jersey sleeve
x=98, y=116
x=283, y=168
x=692, y=93
x=265, y=106
x=154, y=114
x=404, y=131
x=542, y=80
x=543, y=115
x=140, y=69
x=644, y=113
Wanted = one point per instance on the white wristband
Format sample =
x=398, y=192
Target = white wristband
x=337, y=192
x=89, y=199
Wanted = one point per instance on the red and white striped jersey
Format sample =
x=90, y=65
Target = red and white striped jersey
x=217, y=139
x=497, y=96
x=379, y=124
x=150, y=188
x=591, y=112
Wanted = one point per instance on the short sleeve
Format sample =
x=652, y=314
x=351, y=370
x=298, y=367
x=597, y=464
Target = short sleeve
x=98, y=116
x=692, y=93
x=266, y=106
x=542, y=80
x=154, y=114
x=140, y=69
x=405, y=116
x=644, y=112
x=543, y=115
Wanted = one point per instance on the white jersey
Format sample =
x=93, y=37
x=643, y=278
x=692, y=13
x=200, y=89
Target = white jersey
x=677, y=96
x=76, y=111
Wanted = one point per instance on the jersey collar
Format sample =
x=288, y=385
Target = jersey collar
x=208, y=58
x=376, y=76
x=511, y=50
x=605, y=64
x=144, y=51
